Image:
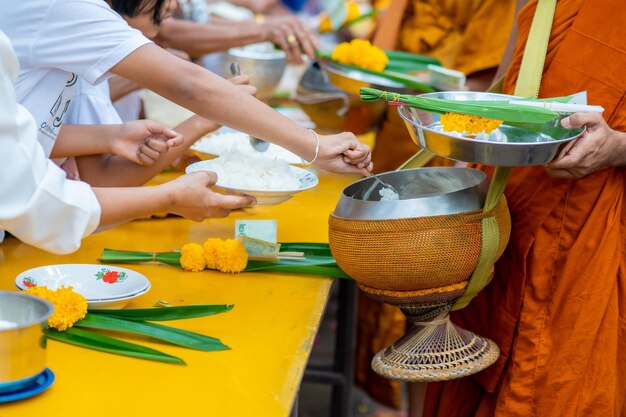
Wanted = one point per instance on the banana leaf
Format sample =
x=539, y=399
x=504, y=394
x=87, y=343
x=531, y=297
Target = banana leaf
x=169, y=334
x=395, y=73
x=164, y=314
x=398, y=56
x=90, y=340
x=125, y=256
x=499, y=110
x=317, y=260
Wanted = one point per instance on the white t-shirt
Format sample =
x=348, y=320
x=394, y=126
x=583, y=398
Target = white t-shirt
x=37, y=203
x=92, y=105
x=57, y=41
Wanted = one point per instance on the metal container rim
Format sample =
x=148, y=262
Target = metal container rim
x=49, y=309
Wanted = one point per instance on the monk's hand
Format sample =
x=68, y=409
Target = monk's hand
x=345, y=154
x=599, y=147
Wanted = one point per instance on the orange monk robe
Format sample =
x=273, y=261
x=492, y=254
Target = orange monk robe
x=465, y=35
x=557, y=304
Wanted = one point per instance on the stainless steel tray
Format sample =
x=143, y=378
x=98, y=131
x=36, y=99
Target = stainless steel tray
x=522, y=145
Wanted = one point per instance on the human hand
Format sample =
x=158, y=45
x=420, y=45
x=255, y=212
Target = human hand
x=291, y=35
x=344, y=154
x=192, y=198
x=131, y=141
x=243, y=82
x=598, y=147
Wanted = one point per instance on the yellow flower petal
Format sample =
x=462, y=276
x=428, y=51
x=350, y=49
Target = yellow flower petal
x=456, y=122
x=69, y=306
x=192, y=257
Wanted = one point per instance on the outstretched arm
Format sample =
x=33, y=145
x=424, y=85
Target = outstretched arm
x=212, y=97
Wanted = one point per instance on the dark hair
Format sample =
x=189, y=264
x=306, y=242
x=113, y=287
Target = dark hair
x=131, y=8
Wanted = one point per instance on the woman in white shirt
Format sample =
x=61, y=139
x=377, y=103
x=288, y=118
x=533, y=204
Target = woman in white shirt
x=41, y=207
x=58, y=40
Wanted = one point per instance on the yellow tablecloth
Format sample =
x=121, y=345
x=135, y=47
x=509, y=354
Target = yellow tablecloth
x=270, y=330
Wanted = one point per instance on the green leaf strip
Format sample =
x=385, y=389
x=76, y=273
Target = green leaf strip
x=173, y=335
x=318, y=261
x=496, y=109
x=166, y=313
x=90, y=340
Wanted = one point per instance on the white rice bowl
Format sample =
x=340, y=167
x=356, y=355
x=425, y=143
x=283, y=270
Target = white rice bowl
x=269, y=180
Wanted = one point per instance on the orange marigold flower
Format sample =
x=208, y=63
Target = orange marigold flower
x=456, y=122
x=69, y=306
x=192, y=257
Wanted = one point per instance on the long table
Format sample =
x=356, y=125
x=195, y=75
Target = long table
x=270, y=330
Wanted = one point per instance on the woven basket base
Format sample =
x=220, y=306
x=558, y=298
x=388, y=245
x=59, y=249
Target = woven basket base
x=435, y=352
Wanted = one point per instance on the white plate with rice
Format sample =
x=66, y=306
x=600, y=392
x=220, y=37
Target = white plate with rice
x=270, y=180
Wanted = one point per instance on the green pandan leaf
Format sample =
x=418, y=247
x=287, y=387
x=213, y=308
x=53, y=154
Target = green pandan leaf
x=91, y=340
x=318, y=260
x=168, y=313
x=158, y=331
x=496, y=109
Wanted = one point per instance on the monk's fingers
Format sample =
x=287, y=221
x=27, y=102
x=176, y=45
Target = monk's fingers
x=578, y=120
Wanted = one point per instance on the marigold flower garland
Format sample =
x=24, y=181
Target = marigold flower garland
x=360, y=53
x=456, y=122
x=69, y=306
x=225, y=255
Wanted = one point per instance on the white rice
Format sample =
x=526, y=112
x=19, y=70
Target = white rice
x=495, y=136
x=227, y=139
x=239, y=170
x=388, y=194
x=5, y=325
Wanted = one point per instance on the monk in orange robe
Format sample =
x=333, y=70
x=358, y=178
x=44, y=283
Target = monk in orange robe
x=557, y=304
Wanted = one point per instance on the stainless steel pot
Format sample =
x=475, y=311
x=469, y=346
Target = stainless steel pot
x=22, y=346
x=423, y=192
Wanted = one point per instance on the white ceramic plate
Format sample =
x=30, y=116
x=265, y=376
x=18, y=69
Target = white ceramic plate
x=94, y=282
x=225, y=138
x=116, y=303
x=306, y=178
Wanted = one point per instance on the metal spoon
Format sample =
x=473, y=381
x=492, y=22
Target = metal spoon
x=259, y=145
x=367, y=193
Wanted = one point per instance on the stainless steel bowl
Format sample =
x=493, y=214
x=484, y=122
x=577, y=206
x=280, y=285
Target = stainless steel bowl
x=526, y=144
x=351, y=81
x=263, y=64
x=22, y=347
x=423, y=192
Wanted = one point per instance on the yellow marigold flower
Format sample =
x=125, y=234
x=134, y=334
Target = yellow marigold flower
x=326, y=25
x=69, y=306
x=212, y=246
x=341, y=53
x=352, y=11
x=456, y=122
x=192, y=257
x=233, y=256
x=360, y=53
